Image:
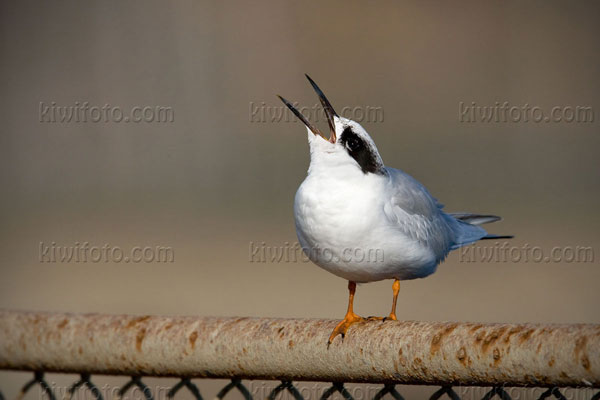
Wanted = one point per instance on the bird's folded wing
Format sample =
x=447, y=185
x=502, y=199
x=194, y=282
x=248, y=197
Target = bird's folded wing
x=415, y=212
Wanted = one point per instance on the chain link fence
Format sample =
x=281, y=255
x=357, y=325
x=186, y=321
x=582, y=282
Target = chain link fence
x=287, y=389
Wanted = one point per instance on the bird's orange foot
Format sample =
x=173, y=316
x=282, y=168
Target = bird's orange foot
x=343, y=326
x=391, y=317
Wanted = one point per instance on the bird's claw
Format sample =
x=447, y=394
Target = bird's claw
x=343, y=325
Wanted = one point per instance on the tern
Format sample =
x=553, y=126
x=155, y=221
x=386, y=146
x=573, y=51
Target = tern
x=366, y=222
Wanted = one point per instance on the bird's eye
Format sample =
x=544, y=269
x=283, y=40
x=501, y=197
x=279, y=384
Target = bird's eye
x=353, y=143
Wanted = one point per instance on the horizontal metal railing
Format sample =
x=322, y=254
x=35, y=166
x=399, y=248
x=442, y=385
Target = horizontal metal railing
x=424, y=353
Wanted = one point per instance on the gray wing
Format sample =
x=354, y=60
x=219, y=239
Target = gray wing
x=416, y=213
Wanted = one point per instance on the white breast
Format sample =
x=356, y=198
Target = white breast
x=342, y=225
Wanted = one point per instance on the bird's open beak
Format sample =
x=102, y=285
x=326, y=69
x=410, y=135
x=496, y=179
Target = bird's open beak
x=329, y=112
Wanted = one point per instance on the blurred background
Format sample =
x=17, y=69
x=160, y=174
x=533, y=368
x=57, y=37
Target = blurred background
x=220, y=177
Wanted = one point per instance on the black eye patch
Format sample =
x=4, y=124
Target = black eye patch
x=359, y=150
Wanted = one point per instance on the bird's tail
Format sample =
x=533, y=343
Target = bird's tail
x=475, y=219
x=492, y=236
x=469, y=231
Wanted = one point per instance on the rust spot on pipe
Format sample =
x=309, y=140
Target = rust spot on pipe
x=479, y=337
x=435, y=342
x=137, y=320
x=580, y=345
x=551, y=362
x=580, y=352
x=585, y=362
x=489, y=340
x=140, y=338
x=193, y=338
x=437, y=339
x=401, y=359
x=526, y=335
x=63, y=323
x=291, y=344
x=496, y=356
x=461, y=355
x=511, y=332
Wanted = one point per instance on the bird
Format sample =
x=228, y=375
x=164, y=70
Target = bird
x=350, y=206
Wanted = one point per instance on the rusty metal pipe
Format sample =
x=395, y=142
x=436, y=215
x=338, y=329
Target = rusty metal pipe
x=439, y=353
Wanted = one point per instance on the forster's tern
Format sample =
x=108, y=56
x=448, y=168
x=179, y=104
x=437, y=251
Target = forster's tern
x=365, y=222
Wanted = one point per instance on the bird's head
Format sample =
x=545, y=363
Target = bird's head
x=348, y=146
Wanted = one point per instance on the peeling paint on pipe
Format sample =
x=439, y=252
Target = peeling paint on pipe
x=439, y=353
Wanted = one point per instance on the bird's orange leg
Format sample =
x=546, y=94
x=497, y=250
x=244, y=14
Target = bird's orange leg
x=392, y=316
x=350, y=317
x=396, y=290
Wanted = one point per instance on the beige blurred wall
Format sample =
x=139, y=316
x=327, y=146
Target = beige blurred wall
x=212, y=181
